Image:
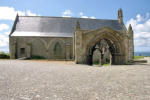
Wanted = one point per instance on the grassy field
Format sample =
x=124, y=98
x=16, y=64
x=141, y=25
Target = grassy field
x=106, y=64
x=138, y=57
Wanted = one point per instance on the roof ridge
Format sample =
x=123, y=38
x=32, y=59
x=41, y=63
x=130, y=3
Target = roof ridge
x=70, y=18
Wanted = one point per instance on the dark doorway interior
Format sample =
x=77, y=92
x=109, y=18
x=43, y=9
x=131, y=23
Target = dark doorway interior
x=103, y=52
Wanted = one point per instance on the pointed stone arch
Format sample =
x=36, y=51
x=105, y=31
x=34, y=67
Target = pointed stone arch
x=115, y=39
x=57, y=49
x=38, y=50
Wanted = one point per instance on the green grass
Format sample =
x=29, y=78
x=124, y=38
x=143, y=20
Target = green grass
x=37, y=57
x=4, y=55
x=106, y=64
x=138, y=57
x=96, y=63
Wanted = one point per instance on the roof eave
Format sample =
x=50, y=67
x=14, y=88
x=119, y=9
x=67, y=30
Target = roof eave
x=14, y=25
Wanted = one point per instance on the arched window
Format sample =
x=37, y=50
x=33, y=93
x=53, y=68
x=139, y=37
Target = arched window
x=57, y=49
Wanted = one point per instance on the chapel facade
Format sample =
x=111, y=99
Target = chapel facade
x=82, y=40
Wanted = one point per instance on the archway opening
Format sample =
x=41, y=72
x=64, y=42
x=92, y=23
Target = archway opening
x=103, y=53
x=57, y=50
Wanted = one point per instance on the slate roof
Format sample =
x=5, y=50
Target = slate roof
x=58, y=26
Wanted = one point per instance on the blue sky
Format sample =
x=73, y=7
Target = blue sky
x=136, y=12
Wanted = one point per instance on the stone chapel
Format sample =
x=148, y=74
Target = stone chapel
x=82, y=40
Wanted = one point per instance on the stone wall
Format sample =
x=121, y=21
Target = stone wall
x=41, y=46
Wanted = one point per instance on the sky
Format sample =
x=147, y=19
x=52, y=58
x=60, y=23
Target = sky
x=135, y=12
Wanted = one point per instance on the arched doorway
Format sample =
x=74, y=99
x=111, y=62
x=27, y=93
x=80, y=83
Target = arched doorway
x=57, y=50
x=86, y=41
x=106, y=52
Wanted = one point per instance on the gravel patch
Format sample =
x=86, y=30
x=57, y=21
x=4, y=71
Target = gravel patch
x=64, y=80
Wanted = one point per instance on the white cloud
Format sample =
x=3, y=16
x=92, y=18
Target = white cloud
x=92, y=17
x=67, y=13
x=29, y=13
x=66, y=16
x=81, y=13
x=7, y=33
x=4, y=27
x=4, y=36
x=9, y=13
x=3, y=40
x=139, y=17
x=141, y=28
x=83, y=16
